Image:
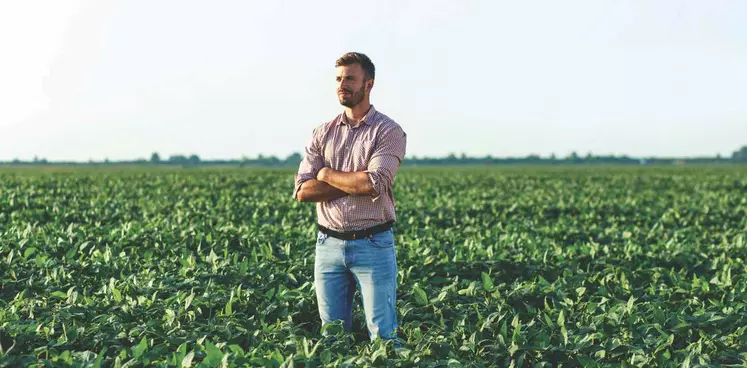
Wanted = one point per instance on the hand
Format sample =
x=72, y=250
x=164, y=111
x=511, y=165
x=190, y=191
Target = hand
x=322, y=174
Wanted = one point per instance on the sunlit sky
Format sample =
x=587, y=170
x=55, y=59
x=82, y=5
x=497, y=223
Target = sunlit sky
x=84, y=80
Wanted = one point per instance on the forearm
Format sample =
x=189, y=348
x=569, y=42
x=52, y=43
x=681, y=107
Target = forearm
x=318, y=191
x=357, y=183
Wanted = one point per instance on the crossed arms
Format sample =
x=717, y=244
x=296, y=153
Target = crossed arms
x=315, y=182
x=331, y=184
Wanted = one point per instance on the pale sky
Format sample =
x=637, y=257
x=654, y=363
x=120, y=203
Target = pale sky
x=84, y=80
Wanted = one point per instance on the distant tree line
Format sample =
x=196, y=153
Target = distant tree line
x=193, y=160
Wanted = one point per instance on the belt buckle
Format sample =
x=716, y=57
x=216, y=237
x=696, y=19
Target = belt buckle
x=355, y=236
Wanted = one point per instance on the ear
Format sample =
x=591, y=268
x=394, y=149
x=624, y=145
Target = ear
x=369, y=84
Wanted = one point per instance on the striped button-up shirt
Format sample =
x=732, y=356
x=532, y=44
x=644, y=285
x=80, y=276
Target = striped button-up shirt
x=376, y=146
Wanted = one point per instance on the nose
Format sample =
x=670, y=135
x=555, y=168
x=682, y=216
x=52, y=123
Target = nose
x=342, y=84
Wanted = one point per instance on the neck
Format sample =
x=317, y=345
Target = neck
x=356, y=113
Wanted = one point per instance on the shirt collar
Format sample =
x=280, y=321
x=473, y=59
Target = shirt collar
x=368, y=119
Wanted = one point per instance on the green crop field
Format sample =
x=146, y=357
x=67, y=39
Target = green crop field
x=592, y=266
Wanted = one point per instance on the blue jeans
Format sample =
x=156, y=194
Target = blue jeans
x=371, y=265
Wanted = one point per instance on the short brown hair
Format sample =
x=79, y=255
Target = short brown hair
x=357, y=58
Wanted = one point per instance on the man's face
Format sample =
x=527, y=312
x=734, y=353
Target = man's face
x=352, y=84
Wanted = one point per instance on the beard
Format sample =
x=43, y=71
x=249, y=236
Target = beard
x=353, y=98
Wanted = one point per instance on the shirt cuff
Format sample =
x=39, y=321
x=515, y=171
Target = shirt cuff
x=375, y=183
x=299, y=183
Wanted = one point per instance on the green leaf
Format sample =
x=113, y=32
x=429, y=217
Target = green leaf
x=629, y=306
x=487, y=282
x=187, y=361
x=380, y=353
x=548, y=320
x=116, y=294
x=513, y=349
x=28, y=252
x=59, y=294
x=237, y=350
x=140, y=349
x=516, y=324
x=71, y=253
x=214, y=355
x=420, y=296
x=564, y=332
x=181, y=351
x=188, y=300
x=580, y=291
x=66, y=357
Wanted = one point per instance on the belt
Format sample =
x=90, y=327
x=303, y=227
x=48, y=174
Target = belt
x=358, y=234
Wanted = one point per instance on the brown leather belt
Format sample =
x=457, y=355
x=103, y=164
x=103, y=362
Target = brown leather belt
x=358, y=234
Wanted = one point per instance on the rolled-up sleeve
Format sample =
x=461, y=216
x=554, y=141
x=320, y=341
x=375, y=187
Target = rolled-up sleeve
x=386, y=158
x=311, y=163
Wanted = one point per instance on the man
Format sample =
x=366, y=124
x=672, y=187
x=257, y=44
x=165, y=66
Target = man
x=348, y=170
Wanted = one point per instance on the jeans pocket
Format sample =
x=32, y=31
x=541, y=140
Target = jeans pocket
x=384, y=239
